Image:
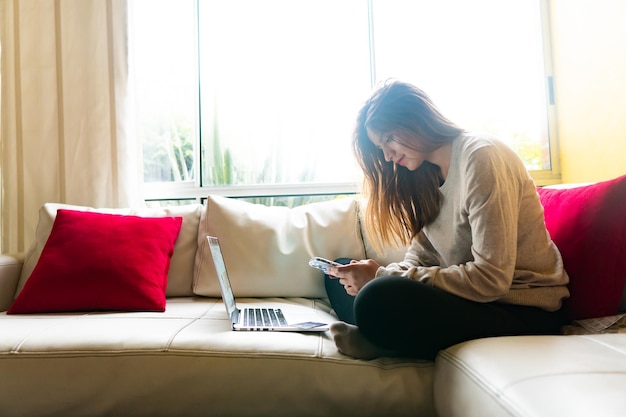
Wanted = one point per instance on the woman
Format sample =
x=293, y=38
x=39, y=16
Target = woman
x=480, y=261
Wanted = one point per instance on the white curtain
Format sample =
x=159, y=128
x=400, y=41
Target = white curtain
x=66, y=132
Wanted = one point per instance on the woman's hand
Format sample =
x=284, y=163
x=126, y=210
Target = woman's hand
x=354, y=275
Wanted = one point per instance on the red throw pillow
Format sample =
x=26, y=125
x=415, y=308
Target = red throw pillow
x=588, y=225
x=95, y=262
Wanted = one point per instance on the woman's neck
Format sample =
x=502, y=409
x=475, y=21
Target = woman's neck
x=442, y=157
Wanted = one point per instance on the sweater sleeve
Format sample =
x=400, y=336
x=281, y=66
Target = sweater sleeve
x=490, y=205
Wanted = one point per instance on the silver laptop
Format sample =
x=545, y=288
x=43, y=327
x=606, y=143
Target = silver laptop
x=262, y=319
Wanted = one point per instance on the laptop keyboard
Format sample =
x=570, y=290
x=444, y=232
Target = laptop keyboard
x=263, y=317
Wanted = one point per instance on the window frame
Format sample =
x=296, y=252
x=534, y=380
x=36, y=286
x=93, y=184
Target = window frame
x=194, y=190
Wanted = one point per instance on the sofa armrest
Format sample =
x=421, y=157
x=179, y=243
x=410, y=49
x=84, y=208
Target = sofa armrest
x=10, y=269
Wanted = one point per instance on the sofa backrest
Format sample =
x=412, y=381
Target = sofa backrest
x=266, y=249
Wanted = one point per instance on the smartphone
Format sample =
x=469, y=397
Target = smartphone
x=322, y=263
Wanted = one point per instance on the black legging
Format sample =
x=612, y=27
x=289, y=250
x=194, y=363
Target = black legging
x=417, y=320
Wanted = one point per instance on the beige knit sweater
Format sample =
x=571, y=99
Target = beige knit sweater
x=489, y=242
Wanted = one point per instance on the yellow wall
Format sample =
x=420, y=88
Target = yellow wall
x=589, y=59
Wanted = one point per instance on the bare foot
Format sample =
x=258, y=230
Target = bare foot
x=351, y=342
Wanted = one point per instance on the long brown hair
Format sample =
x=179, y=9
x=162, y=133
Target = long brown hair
x=400, y=202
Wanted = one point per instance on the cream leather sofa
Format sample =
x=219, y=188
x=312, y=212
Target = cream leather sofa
x=185, y=361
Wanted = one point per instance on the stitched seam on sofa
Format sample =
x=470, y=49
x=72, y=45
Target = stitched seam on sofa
x=453, y=360
x=177, y=332
x=177, y=353
x=599, y=342
x=320, y=339
x=378, y=365
x=200, y=353
x=16, y=349
x=489, y=389
x=557, y=374
x=217, y=353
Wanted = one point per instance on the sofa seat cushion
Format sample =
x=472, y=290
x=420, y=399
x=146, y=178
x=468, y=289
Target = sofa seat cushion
x=186, y=361
x=533, y=376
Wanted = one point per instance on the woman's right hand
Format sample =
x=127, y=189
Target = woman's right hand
x=354, y=275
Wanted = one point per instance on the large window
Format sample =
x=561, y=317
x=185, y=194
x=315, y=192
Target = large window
x=257, y=98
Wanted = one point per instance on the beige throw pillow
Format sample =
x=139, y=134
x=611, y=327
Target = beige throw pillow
x=267, y=249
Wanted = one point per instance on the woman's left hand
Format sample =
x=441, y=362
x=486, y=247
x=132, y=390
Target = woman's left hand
x=354, y=275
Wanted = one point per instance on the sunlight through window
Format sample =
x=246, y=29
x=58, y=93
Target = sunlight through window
x=264, y=93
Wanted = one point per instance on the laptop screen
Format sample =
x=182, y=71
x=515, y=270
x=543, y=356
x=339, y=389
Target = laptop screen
x=222, y=275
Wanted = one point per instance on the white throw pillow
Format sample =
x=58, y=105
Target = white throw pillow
x=267, y=249
x=181, y=264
